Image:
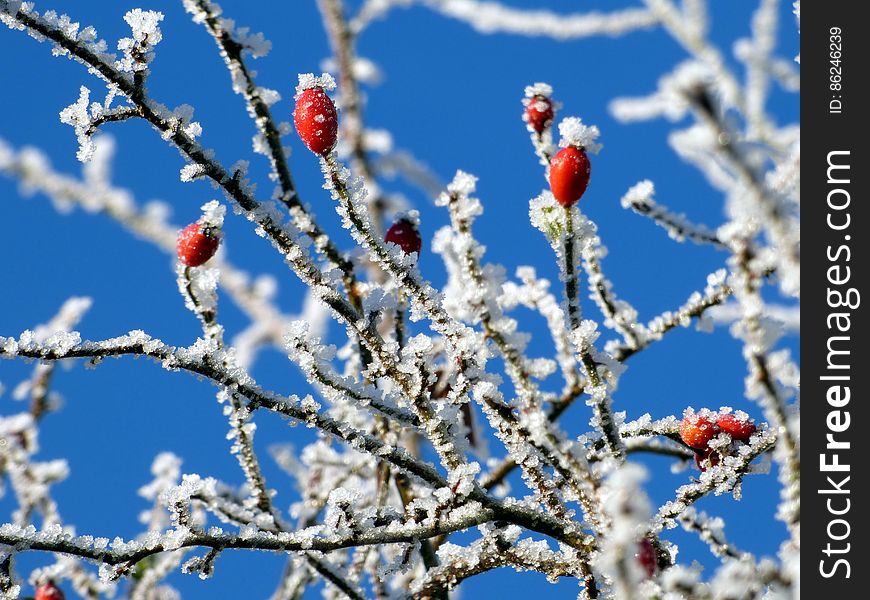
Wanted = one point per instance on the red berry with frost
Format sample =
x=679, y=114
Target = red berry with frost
x=697, y=429
x=404, y=233
x=569, y=175
x=316, y=120
x=704, y=459
x=197, y=243
x=739, y=427
x=49, y=591
x=539, y=113
x=646, y=557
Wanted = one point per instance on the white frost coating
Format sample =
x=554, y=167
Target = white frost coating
x=372, y=406
x=538, y=89
x=138, y=51
x=365, y=71
x=198, y=287
x=79, y=116
x=182, y=117
x=144, y=24
x=640, y=199
x=269, y=96
x=190, y=172
x=547, y=216
x=639, y=193
x=378, y=141
x=575, y=133
x=254, y=43
x=86, y=37
x=463, y=479
x=213, y=213
x=310, y=80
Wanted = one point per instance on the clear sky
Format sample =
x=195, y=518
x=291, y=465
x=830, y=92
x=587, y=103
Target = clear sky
x=449, y=95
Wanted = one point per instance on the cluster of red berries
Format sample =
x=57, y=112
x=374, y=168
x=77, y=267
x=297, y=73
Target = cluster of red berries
x=570, y=168
x=49, y=591
x=697, y=429
x=197, y=243
x=316, y=121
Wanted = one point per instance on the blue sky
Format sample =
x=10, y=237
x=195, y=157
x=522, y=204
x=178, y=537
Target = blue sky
x=449, y=95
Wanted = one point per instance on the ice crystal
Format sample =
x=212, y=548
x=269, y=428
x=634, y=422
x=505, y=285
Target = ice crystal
x=575, y=133
x=138, y=50
x=309, y=80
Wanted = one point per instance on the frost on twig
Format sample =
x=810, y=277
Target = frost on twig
x=715, y=293
x=95, y=193
x=534, y=293
x=42, y=398
x=86, y=117
x=570, y=233
x=138, y=51
x=639, y=198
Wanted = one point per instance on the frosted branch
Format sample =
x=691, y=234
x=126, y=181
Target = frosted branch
x=723, y=478
x=95, y=193
x=640, y=199
x=203, y=359
x=492, y=17
x=172, y=129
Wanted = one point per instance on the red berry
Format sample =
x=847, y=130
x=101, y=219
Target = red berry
x=316, y=120
x=740, y=429
x=49, y=591
x=704, y=459
x=697, y=429
x=569, y=175
x=646, y=556
x=404, y=233
x=197, y=243
x=539, y=113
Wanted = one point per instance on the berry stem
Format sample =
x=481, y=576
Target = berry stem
x=602, y=407
x=572, y=300
x=571, y=277
x=400, y=315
